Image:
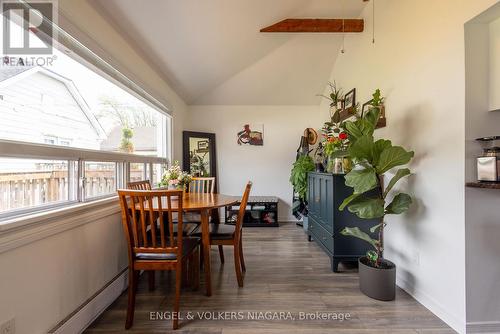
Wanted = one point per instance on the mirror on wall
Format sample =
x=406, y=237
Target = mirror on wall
x=199, y=153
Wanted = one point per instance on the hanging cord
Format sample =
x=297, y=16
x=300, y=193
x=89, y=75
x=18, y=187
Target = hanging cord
x=373, y=21
x=342, y=50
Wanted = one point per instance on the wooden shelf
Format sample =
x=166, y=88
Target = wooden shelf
x=485, y=185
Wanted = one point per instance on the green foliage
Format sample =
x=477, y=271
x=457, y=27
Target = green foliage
x=362, y=180
x=356, y=232
x=298, y=177
x=372, y=159
x=367, y=208
x=399, y=204
x=126, y=144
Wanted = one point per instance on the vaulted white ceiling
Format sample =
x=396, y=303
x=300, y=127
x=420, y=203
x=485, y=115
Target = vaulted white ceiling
x=211, y=51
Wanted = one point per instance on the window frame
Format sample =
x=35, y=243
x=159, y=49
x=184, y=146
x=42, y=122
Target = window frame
x=76, y=159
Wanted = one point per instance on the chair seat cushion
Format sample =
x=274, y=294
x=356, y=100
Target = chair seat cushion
x=188, y=245
x=218, y=231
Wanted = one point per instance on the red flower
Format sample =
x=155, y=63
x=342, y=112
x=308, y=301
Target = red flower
x=343, y=135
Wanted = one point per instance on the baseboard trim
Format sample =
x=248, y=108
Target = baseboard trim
x=483, y=327
x=431, y=304
x=82, y=317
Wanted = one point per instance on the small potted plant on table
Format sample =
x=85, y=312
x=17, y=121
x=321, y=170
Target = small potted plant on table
x=372, y=200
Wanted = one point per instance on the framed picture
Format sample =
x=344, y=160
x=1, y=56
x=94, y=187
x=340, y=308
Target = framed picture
x=366, y=107
x=251, y=134
x=350, y=99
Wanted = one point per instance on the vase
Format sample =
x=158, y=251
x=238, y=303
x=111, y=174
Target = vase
x=335, y=165
x=347, y=164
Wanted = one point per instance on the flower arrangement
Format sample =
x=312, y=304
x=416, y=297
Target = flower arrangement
x=174, y=177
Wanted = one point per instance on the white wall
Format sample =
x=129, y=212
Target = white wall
x=45, y=281
x=267, y=166
x=418, y=63
x=494, y=62
x=482, y=49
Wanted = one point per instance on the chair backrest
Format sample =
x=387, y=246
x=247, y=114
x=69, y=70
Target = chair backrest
x=146, y=216
x=139, y=185
x=202, y=185
x=241, y=211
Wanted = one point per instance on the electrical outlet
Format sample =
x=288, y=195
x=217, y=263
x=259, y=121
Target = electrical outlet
x=8, y=327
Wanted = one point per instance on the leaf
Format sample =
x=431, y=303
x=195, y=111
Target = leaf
x=353, y=130
x=372, y=116
x=378, y=147
x=399, y=204
x=362, y=149
x=357, y=233
x=348, y=200
x=368, y=208
x=399, y=174
x=362, y=180
x=391, y=157
x=376, y=227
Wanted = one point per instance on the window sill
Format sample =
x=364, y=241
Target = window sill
x=25, y=229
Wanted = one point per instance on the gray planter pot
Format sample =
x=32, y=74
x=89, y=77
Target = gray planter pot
x=377, y=283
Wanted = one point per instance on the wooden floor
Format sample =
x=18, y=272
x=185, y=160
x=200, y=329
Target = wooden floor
x=285, y=273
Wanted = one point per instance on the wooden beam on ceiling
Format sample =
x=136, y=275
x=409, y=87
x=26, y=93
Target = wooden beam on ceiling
x=316, y=25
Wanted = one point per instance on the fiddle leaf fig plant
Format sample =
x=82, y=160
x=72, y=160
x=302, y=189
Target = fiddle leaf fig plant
x=371, y=160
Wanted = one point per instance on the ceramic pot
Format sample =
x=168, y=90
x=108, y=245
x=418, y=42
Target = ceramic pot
x=377, y=283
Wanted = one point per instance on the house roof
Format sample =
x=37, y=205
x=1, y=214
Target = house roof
x=11, y=74
x=144, y=139
x=8, y=72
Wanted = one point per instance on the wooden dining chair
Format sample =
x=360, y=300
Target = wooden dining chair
x=202, y=185
x=231, y=235
x=146, y=216
x=139, y=185
x=188, y=226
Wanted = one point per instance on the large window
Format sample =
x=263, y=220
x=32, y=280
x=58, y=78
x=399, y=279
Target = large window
x=71, y=132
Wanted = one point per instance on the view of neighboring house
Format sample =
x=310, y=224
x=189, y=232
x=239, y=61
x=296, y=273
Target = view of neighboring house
x=30, y=96
x=143, y=140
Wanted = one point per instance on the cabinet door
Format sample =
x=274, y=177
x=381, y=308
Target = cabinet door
x=327, y=202
x=313, y=195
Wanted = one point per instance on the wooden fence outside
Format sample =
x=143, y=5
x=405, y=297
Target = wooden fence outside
x=28, y=189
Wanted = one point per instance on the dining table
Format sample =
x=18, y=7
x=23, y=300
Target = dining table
x=207, y=206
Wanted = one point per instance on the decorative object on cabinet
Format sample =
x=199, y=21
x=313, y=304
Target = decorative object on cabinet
x=326, y=193
x=369, y=200
x=252, y=134
x=260, y=211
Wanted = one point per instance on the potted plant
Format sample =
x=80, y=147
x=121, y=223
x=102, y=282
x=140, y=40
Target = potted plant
x=175, y=178
x=335, y=147
x=298, y=178
x=371, y=199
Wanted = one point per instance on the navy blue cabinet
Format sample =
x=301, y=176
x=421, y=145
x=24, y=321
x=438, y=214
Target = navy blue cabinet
x=325, y=194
